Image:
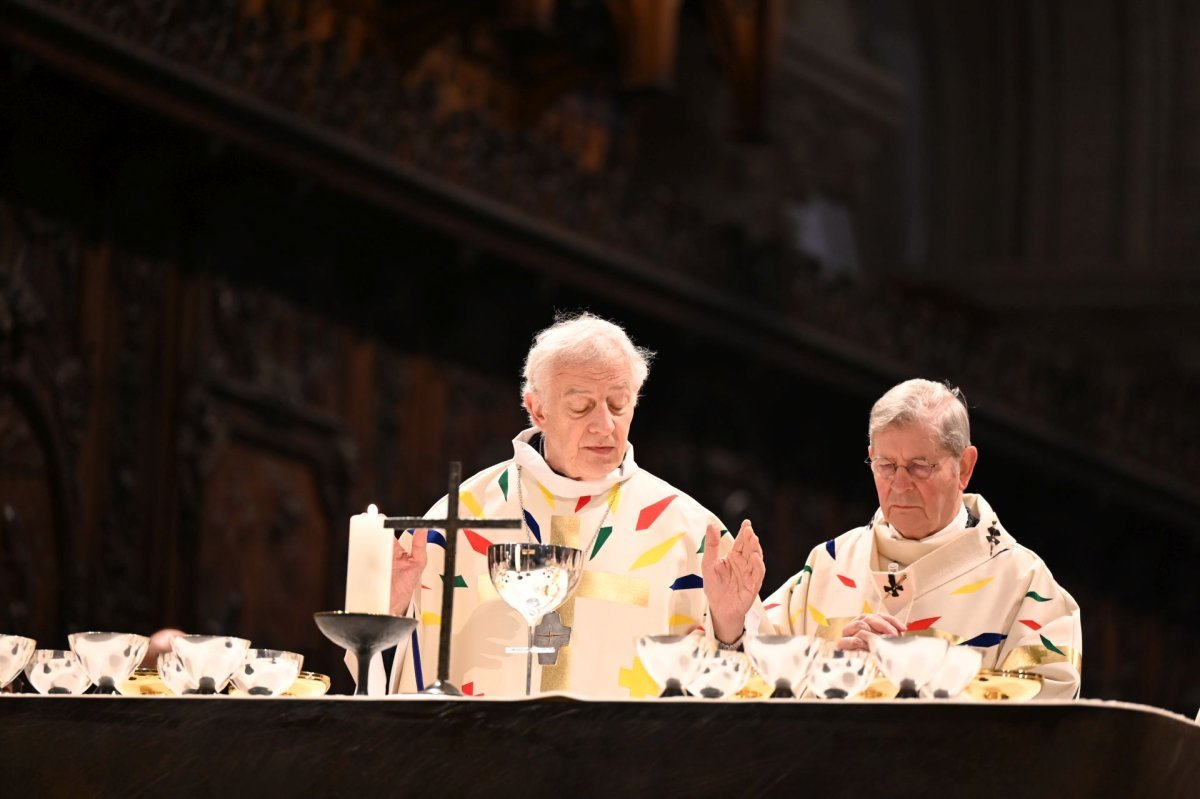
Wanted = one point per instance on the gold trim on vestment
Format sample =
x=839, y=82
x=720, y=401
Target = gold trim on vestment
x=564, y=532
x=609, y=587
x=556, y=677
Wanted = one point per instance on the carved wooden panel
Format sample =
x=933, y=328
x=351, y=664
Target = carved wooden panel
x=29, y=568
x=43, y=405
x=266, y=463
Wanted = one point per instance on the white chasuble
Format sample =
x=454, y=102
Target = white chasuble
x=973, y=586
x=642, y=542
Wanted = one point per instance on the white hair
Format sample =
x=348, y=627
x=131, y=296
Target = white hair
x=939, y=405
x=583, y=340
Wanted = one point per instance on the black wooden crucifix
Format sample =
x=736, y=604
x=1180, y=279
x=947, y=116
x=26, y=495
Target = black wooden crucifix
x=451, y=525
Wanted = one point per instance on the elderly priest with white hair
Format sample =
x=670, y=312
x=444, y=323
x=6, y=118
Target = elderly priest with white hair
x=652, y=553
x=934, y=560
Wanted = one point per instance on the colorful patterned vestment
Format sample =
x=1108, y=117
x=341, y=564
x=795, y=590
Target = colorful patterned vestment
x=643, y=541
x=974, y=586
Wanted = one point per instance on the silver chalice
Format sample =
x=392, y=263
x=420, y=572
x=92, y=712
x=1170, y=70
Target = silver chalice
x=534, y=579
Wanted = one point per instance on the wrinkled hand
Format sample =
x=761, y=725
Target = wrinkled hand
x=731, y=582
x=859, y=632
x=406, y=570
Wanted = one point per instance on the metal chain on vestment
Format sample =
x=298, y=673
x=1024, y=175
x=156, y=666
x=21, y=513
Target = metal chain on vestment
x=608, y=506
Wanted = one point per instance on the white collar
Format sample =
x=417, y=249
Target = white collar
x=529, y=458
x=891, y=546
x=959, y=522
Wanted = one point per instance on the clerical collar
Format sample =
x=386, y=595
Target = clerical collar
x=527, y=454
x=538, y=442
x=961, y=521
x=891, y=547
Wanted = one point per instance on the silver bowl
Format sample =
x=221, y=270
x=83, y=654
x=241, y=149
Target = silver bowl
x=958, y=669
x=174, y=676
x=267, y=672
x=56, y=671
x=673, y=661
x=910, y=661
x=108, y=658
x=210, y=660
x=841, y=674
x=15, y=651
x=782, y=660
x=721, y=675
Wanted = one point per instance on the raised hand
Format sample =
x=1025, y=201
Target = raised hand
x=406, y=570
x=732, y=581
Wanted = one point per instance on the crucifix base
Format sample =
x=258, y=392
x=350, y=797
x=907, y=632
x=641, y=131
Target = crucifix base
x=442, y=688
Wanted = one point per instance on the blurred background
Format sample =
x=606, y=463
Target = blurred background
x=263, y=262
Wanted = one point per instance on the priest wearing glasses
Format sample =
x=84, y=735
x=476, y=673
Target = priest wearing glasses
x=934, y=560
x=655, y=560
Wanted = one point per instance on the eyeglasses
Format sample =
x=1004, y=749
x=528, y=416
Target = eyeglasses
x=886, y=470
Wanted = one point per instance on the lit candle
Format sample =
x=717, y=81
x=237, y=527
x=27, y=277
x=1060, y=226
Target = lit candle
x=369, y=564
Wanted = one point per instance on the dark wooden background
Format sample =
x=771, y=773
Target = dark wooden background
x=263, y=262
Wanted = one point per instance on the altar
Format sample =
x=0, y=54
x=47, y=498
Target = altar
x=180, y=747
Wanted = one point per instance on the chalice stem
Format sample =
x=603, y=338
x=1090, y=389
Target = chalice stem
x=363, y=656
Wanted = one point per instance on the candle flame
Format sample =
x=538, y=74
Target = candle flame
x=371, y=509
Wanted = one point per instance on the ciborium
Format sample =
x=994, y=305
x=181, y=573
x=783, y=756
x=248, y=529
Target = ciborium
x=366, y=635
x=534, y=579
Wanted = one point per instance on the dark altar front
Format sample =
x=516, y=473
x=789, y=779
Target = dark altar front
x=82, y=746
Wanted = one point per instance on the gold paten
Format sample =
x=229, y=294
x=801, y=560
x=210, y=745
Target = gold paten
x=143, y=682
x=1003, y=686
x=308, y=684
x=147, y=682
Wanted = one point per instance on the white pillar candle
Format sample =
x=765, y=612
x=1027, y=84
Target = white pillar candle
x=369, y=564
